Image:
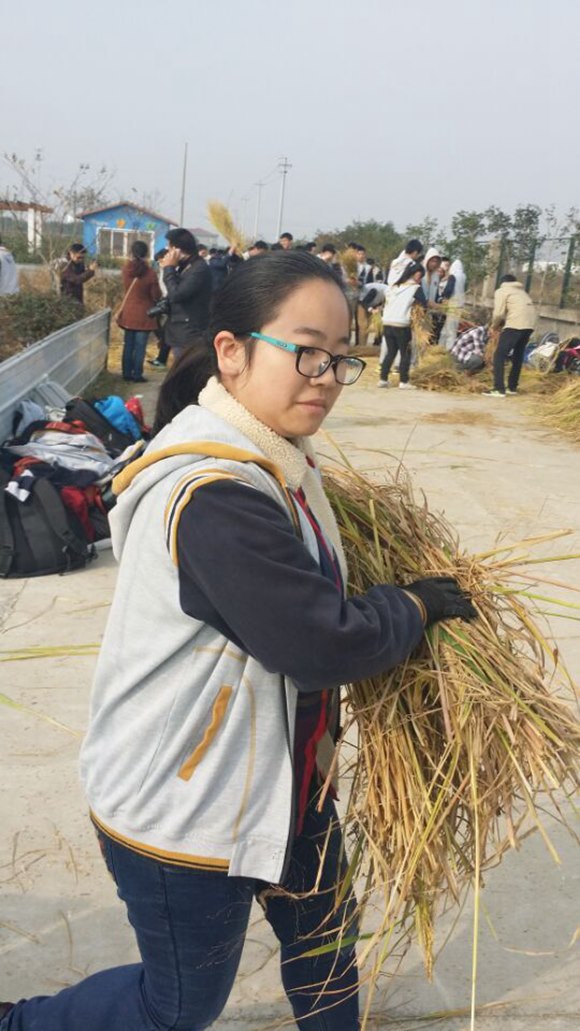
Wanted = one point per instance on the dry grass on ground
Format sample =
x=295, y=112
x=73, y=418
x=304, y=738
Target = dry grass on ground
x=561, y=411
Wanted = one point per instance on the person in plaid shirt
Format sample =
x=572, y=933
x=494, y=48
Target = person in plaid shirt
x=469, y=349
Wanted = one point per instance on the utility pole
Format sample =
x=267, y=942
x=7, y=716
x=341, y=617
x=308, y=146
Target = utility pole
x=182, y=211
x=259, y=186
x=284, y=165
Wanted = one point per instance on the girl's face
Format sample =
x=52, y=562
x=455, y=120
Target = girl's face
x=270, y=387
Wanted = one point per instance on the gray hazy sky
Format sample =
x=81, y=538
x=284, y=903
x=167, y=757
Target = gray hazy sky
x=385, y=110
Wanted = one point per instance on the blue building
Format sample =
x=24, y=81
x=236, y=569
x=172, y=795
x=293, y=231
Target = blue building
x=111, y=230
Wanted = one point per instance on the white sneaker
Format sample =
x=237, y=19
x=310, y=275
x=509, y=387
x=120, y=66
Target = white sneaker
x=407, y=386
x=383, y=383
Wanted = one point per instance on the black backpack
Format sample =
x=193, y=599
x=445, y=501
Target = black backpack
x=40, y=535
x=115, y=441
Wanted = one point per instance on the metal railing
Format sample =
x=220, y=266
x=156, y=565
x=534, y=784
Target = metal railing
x=548, y=267
x=71, y=358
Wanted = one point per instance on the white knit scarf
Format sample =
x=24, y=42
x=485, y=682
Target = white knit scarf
x=292, y=457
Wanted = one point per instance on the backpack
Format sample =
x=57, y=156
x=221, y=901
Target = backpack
x=40, y=535
x=79, y=410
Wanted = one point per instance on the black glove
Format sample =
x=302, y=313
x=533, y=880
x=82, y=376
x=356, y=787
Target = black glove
x=442, y=598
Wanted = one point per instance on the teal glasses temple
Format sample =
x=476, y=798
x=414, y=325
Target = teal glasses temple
x=277, y=343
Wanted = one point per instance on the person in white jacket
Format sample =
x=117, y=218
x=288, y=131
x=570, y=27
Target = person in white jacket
x=397, y=323
x=412, y=252
x=431, y=276
x=8, y=272
x=205, y=754
x=454, y=294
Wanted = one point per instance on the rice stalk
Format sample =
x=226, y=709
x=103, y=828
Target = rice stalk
x=422, y=328
x=455, y=748
x=46, y=652
x=5, y=700
x=349, y=263
x=222, y=220
x=491, y=346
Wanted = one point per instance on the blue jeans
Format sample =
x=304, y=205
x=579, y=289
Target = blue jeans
x=134, y=353
x=190, y=927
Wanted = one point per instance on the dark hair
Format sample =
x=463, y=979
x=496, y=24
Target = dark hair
x=77, y=248
x=251, y=296
x=160, y=254
x=259, y=245
x=508, y=278
x=183, y=239
x=444, y=257
x=411, y=270
x=286, y=236
x=139, y=250
x=328, y=247
x=412, y=246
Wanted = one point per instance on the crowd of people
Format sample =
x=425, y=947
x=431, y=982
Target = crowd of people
x=171, y=299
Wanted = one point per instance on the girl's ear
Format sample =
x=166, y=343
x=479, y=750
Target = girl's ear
x=230, y=354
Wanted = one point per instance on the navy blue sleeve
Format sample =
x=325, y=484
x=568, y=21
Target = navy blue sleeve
x=243, y=570
x=420, y=297
x=449, y=289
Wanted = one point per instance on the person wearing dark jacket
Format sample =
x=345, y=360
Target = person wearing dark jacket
x=188, y=282
x=220, y=265
x=75, y=273
x=141, y=292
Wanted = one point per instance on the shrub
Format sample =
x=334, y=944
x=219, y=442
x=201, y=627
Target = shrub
x=26, y=318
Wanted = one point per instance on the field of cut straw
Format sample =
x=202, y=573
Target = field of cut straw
x=456, y=751
x=436, y=370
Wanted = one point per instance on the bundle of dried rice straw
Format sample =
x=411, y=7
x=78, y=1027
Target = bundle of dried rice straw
x=222, y=220
x=422, y=328
x=349, y=264
x=438, y=371
x=448, y=753
x=561, y=411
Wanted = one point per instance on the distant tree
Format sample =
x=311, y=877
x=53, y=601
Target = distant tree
x=526, y=231
x=467, y=242
x=87, y=189
x=498, y=223
x=427, y=232
x=381, y=239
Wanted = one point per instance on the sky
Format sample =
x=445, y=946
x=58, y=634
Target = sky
x=385, y=110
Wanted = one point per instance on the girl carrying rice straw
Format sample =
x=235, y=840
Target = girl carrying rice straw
x=216, y=689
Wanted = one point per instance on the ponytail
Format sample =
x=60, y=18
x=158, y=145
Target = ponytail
x=184, y=382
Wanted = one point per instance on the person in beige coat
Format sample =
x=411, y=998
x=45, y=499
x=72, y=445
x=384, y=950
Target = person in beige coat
x=514, y=310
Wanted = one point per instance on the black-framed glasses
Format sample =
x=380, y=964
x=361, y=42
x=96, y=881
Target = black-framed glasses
x=313, y=362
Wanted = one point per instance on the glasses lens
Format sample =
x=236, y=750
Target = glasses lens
x=348, y=370
x=312, y=361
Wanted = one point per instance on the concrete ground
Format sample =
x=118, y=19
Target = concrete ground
x=494, y=474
